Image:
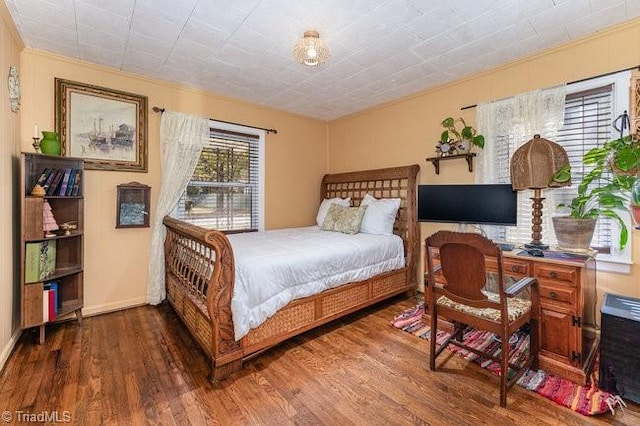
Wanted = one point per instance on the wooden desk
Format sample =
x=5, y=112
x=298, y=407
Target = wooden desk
x=568, y=340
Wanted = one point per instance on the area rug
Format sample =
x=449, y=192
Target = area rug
x=586, y=400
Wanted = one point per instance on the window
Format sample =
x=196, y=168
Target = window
x=226, y=190
x=590, y=109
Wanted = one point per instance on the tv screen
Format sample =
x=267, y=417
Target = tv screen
x=489, y=204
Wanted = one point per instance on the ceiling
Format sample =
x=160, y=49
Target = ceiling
x=381, y=50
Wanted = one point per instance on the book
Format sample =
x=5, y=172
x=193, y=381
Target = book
x=40, y=260
x=45, y=305
x=50, y=176
x=55, y=182
x=64, y=182
x=43, y=177
x=76, y=183
x=72, y=177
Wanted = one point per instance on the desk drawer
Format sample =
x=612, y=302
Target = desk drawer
x=564, y=273
x=558, y=294
x=512, y=267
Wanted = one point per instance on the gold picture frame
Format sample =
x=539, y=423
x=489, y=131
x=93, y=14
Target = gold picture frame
x=106, y=128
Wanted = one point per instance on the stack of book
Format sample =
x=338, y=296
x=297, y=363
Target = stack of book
x=60, y=182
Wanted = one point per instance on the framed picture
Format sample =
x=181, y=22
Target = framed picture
x=106, y=128
x=132, y=209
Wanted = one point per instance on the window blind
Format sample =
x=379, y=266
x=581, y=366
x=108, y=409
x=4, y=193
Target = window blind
x=587, y=124
x=223, y=193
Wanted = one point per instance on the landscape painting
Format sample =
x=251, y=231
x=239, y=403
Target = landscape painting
x=104, y=127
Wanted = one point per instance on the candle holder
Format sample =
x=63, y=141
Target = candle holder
x=36, y=144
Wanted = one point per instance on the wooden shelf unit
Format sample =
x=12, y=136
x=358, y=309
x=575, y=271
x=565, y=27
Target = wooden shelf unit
x=69, y=259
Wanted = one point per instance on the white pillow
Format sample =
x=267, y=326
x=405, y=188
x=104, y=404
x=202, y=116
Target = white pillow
x=324, y=207
x=380, y=215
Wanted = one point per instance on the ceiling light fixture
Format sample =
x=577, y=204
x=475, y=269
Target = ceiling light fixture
x=311, y=51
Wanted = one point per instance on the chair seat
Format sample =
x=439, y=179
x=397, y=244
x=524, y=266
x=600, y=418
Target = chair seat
x=515, y=307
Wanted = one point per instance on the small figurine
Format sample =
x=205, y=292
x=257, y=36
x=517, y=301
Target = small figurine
x=38, y=191
x=444, y=149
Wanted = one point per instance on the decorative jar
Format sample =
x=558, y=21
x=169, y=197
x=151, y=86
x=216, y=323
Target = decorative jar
x=50, y=144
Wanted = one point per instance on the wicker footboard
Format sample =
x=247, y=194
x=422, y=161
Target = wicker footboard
x=200, y=272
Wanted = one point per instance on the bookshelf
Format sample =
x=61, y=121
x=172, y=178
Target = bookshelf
x=51, y=267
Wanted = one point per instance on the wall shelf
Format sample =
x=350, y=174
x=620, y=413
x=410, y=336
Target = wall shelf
x=436, y=160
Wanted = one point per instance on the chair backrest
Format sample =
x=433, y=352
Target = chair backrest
x=462, y=259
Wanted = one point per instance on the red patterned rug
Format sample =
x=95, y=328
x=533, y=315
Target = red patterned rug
x=587, y=400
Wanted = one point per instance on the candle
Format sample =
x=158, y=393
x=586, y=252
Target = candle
x=35, y=131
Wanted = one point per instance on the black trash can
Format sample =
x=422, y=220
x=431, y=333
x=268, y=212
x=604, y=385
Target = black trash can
x=620, y=347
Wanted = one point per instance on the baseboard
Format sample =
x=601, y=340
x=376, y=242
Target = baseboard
x=8, y=348
x=116, y=306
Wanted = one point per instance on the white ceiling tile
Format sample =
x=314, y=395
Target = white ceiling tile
x=141, y=42
x=100, y=55
x=101, y=20
x=101, y=39
x=556, y=17
x=225, y=19
x=118, y=7
x=178, y=10
x=153, y=23
x=59, y=15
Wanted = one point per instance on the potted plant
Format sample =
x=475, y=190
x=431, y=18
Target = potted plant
x=574, y=232
x=461, y=139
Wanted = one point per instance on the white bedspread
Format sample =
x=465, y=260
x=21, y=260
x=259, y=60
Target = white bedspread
x=275, y=267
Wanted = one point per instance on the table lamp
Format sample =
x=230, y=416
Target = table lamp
x=532, y=166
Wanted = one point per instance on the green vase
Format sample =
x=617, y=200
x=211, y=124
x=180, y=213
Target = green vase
x=50, y=144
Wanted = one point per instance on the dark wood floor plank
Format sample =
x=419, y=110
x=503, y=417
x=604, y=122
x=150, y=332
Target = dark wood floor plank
x=141, y=366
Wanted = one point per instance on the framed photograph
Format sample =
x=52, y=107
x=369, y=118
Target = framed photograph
x=106, y=128
x=132, y=209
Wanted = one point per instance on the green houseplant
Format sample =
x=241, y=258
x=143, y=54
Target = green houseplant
x=591, y=201
x=460, y=138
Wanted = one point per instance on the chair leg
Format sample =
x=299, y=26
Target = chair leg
x=504, y=367
x=534, y=343
x=432, y=340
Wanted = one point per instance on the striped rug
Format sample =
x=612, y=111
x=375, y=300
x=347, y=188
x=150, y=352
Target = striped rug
x=587, y=400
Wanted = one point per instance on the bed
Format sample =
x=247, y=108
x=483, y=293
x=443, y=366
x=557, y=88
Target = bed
x=200, y=276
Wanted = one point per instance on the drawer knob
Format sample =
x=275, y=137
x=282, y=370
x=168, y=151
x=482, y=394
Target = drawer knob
x=515, y=268
x=553, y=274
x=553, y=295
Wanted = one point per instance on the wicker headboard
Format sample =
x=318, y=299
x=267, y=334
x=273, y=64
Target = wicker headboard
x=393, y=182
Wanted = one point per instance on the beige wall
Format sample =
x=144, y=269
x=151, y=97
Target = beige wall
x=116, y=259
x=10, y=46
x=405, y=131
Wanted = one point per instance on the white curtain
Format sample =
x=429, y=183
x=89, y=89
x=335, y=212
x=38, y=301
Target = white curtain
x=508, y=124
x=182, y=138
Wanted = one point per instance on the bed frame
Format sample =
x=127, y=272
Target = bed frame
x=199, y=268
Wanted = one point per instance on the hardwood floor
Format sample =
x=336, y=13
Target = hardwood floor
x=140, y=366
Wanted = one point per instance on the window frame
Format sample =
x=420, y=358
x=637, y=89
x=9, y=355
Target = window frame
x=618, y=260
x=260, y=141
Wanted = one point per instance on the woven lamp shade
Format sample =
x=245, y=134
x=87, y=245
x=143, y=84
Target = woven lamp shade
x=535, y=162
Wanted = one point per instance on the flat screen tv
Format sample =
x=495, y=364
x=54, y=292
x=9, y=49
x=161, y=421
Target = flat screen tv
x=484, y=204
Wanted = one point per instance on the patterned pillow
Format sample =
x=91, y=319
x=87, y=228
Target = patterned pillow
x=324, y=207
x=343, y=219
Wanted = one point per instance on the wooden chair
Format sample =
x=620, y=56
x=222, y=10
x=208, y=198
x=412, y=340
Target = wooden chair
x=458, y=294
